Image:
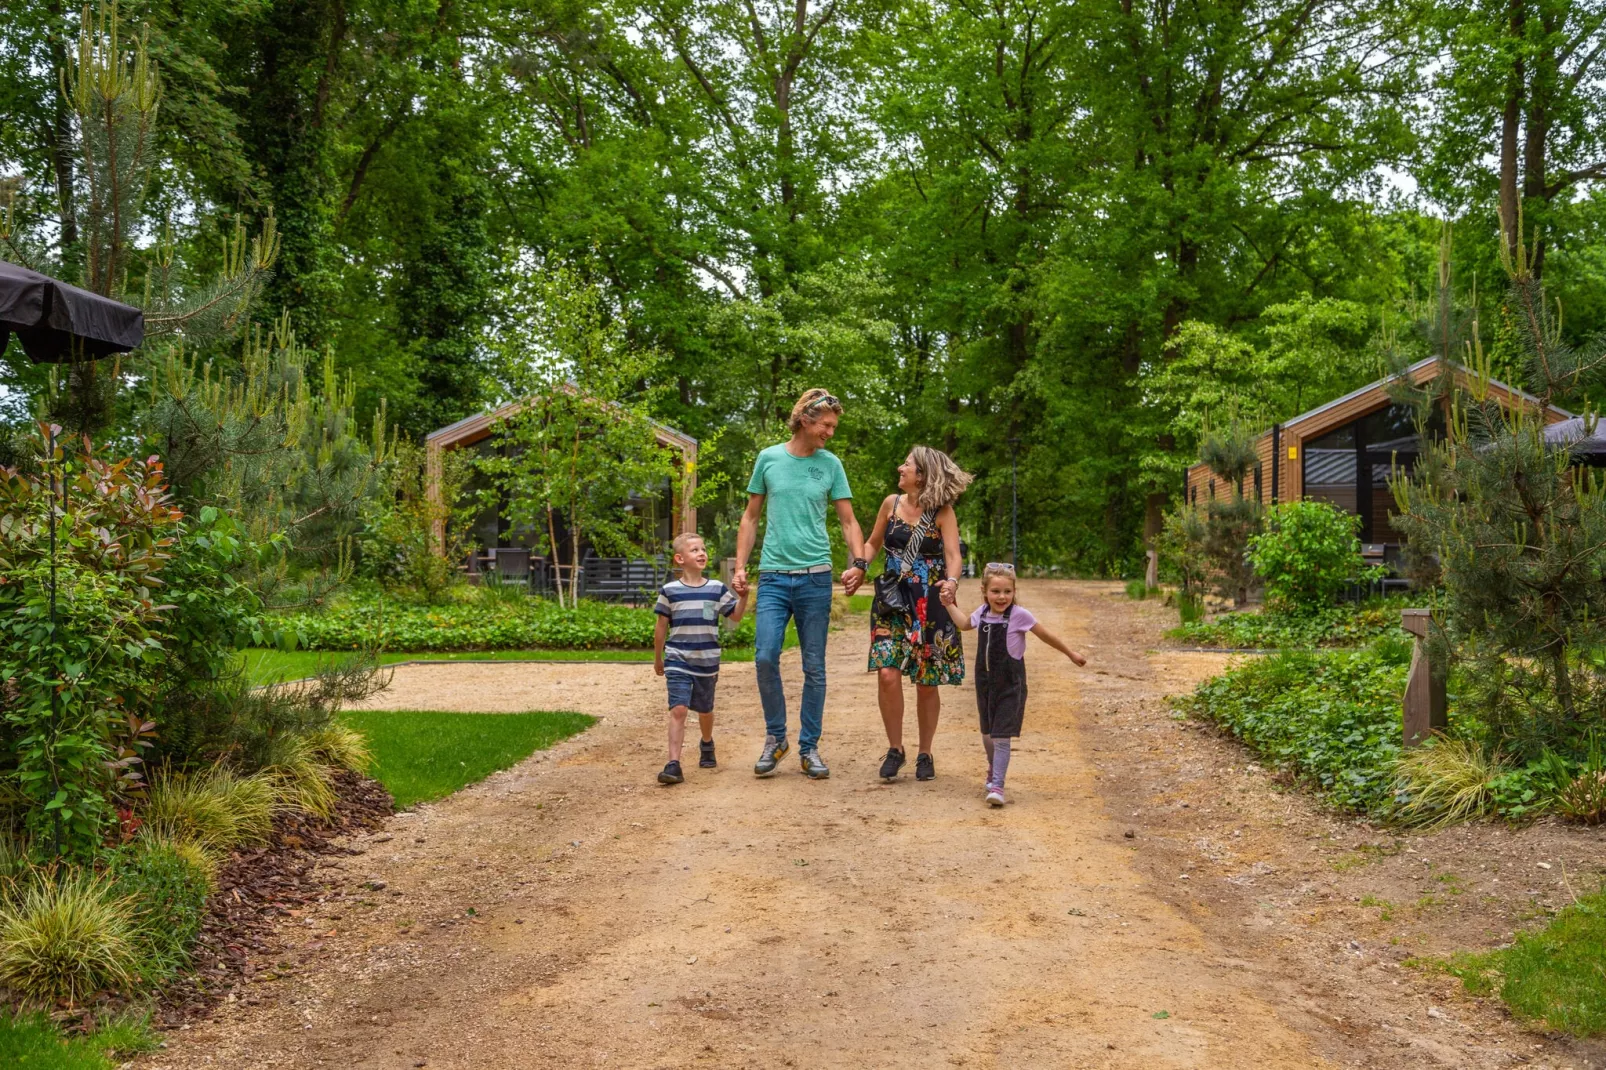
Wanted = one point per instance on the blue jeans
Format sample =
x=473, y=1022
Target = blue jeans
x=806, y=599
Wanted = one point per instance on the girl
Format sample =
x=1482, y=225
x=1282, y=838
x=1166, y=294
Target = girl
x=1001, y=668
x=915, y=638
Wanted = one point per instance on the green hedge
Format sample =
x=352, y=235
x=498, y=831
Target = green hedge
x=505, y=624
x=1342, y=625
x=1332, y=718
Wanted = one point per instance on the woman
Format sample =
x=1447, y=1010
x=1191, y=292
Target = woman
x=911, y=633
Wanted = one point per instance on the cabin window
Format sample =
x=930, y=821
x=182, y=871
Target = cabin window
x=1350, y=466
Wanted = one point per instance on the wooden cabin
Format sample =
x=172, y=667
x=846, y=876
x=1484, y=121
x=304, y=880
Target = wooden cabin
x=491, y=529
x=1342, y=452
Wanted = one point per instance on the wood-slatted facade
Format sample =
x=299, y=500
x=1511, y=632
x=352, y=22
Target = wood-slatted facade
x=1281, y=474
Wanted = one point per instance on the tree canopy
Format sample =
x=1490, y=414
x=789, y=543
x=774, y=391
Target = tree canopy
x=1063, y=235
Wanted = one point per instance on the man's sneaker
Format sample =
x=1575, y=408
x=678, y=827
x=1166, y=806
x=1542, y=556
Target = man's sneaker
x=705, y=754
x=995, y=796
x=890, y=765
x=813, y=765
x=671, y=774
x=925, y=768
x=774, y=750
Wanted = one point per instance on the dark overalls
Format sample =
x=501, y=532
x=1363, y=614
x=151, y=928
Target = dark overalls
x=1000, y=680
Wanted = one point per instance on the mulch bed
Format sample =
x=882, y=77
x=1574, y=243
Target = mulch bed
x=257, y=889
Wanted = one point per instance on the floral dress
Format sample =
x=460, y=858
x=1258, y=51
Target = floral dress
x=923, y=645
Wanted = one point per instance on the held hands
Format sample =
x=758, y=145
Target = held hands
x=948, y=589
x=852, y=580
x=738, y=584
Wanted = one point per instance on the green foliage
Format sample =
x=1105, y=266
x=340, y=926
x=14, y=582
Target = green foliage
x=424, y=755
x=1332, y=719
x=65, y=937
x=1446, y=780
x=1182, y=546
x=166, y=891
x=529, y=623
x=1308, y=553
x=1520, y=534
x=399, y=544
x=74, y=708
x=1348, y=624
x=32, y=1042
x=584, y=445
x=1553, y=975
x=216, y=808
x=1232, y=519
x=275, y=445
x=1583, y=799
x=1138, y=589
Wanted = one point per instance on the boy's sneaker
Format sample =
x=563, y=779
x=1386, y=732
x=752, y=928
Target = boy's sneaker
x=813, y=765
x=890, y=765
x=705, y=754
x=774, y=750
x=925, y=768
x=671, y=774
x=995, y=795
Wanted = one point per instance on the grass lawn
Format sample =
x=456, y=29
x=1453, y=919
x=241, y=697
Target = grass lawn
x=421, y=755
x=31, y=1042
x=1556, y=975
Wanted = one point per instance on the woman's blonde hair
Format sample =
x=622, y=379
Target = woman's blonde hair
x=941, y=480
x=811, y=405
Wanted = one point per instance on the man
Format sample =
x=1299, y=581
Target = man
x=793, y=483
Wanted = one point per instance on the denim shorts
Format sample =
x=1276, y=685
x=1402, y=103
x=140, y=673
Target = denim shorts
x=696, y=693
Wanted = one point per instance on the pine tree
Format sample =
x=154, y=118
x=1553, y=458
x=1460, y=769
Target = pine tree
x=1519, y=529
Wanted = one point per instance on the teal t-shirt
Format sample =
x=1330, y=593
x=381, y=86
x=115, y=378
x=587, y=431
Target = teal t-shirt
x=798, y=491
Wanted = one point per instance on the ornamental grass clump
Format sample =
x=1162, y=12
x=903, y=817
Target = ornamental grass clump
x=1447, y=780
x=1584, y=800
x=216, y=809
x=340, y=746
x=65, y=938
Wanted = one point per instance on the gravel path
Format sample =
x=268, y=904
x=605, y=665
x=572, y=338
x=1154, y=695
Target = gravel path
x=569, y=912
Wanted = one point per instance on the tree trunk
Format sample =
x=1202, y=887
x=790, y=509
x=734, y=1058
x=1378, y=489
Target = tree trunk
x=1510, y=121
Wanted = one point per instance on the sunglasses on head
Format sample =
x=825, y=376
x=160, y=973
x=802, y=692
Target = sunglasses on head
x=824, y=399
x=1005, y=565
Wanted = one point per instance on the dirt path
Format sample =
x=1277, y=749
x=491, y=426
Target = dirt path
x=569, y=912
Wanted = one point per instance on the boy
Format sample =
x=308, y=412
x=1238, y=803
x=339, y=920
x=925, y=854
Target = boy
x=686, y=648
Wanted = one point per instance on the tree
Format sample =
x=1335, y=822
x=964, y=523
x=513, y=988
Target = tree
x=1520, y=85
x=582, y=446
x=1231, y=521
x=1520, y=533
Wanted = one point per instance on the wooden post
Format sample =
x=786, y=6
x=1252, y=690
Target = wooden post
x=1426, y=707
x=1151, y=574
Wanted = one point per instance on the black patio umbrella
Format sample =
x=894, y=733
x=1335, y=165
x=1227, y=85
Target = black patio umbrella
x=57, y=323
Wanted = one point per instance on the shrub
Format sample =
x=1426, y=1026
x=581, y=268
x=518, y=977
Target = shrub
x=1446, y=780
x=65, y=939
x=1308, y=553
x=300, y=781
x=522, y=623
x=1331, y=718
x=340, y=746
x=1341, y=625
x=216, y=809
x=1584, y=799
x=166, y=887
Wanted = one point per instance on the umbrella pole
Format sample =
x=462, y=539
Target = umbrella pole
x=55, y=690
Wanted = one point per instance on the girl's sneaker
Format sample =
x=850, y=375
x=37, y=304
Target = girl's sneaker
x=995, y=796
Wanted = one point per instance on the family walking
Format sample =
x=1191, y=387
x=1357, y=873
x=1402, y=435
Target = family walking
x=915, y=617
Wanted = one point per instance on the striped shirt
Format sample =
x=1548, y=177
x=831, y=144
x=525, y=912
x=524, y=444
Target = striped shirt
x=693, y=643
